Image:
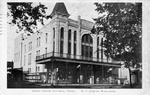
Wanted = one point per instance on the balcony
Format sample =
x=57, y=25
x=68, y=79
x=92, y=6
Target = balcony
x=56, y=55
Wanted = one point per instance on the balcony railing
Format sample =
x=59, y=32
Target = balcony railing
x=75, y=57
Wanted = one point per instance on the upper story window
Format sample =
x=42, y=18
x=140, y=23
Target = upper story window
x=30, y=45
x=62, y=33
x=69, y=41
x=46, y=50
x=69, y=35
x=102, y=48
x=46, y=37
x=54, y=33
x=62, y=40
x=38, y=53
x=29, y=58
x=39, y=41
x=101, y=41
x=75, y=42
x=97, y=47
x=87, y=46
x=75, y=33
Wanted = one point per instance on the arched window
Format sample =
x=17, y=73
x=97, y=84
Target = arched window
x=54, y=39
x=69, y=42
x=98, y=47
x=62, y=33
x=53, y=32
x=87, y=46
x=75, y=41
x=61, y=40
x=101, y=48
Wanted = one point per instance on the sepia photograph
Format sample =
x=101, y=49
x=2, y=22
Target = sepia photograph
x=61, y=45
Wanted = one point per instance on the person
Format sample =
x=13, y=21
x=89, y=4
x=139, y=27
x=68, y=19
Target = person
x=44, y=79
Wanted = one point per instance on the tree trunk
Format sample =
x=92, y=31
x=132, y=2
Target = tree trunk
x=130, y=77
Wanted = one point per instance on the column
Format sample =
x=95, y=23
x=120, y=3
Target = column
x=102, y=74
x=52, y=71
x=57, y=36
x=72, y=43
x=47, y=73
x=66, y=38
x=66, y=72
x=94, y=47
x=92, y=76
x=79, y=37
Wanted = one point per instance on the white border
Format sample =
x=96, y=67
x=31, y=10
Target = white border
x=145, y=58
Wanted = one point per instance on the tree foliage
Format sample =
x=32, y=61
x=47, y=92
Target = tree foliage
x=25, y=15
x=121, y=24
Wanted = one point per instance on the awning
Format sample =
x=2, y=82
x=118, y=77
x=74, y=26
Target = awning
x=80, y=61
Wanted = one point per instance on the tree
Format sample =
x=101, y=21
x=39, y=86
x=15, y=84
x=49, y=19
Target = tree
x=25, y=15
x=121, y=24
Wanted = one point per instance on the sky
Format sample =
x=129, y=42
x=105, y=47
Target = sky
x=85, y=9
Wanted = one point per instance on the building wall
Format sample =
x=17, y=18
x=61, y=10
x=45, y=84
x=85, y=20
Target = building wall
x=81, y=27
x=17, y=52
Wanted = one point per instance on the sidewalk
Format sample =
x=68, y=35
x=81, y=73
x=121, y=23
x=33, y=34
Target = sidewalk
x=83, y=86
x=94, y=86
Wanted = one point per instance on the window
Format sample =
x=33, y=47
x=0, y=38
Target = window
x=69, y=48
x=46, y=50
x=69, y=34
x=87, y=48
x=69, y=42
x=46, y=37
x=30, y=45
x=62, y=33
x=74, y=48
x=61, y=47
x=98, y=47
x=75, y=42
x=53, y=39
x=75, y=36
x=29, y=69
x=61, y=40
x=39, y=53
x=29, y=59
x=39, y=41
x=36, y=69
x=101, y=48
